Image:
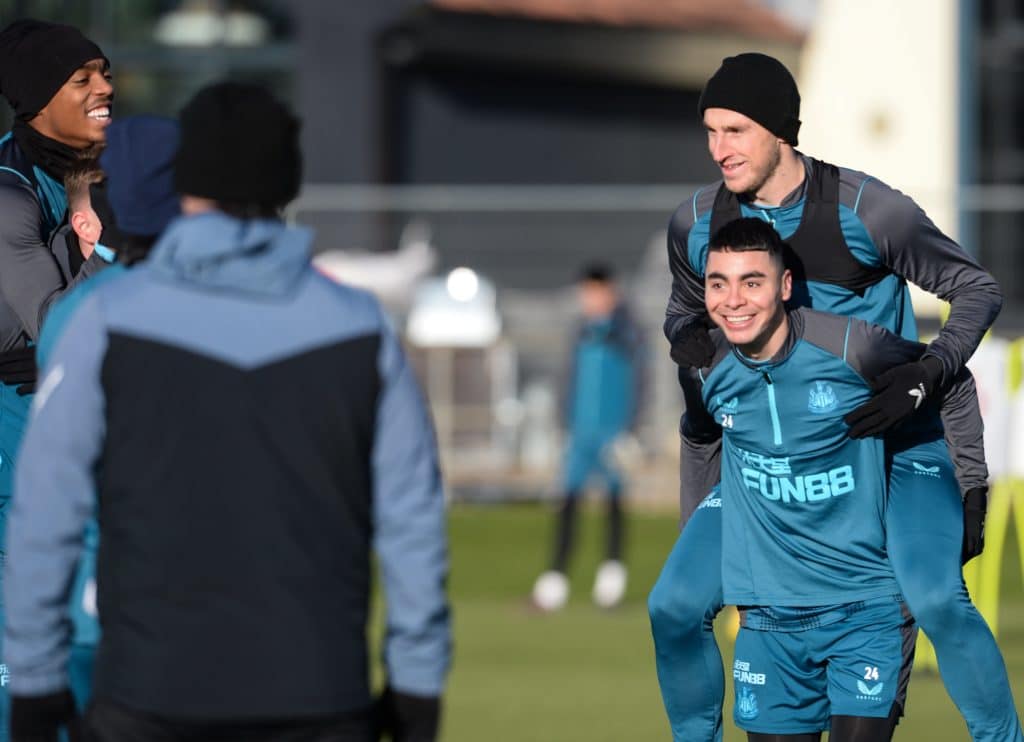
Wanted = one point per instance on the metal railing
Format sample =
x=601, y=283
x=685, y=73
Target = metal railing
x=530, y=241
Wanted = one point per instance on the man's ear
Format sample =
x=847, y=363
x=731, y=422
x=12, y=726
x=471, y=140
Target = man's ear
x=787, y=284
x=87, y=229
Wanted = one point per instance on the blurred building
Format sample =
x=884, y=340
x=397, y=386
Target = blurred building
x=522, y=138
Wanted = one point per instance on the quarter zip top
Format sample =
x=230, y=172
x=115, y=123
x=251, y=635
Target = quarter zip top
x=772, y=408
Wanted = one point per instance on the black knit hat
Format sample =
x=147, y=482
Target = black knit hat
x=36, y=59
x=757, y=86
x=239, y=145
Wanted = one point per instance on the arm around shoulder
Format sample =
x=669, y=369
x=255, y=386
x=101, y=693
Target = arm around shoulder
x=913, y=247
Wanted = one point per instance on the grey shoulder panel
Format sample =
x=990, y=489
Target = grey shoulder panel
x=704, y=199
x=871, y=349
x=689, y=211
x=686, y=299
x=826, y=331
x=851, y=187
x=18, y=201
x=866, y=348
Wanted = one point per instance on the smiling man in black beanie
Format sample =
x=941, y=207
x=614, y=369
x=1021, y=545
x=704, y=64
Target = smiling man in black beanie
x=234, y=565
x=58, y=83
x=854, y=244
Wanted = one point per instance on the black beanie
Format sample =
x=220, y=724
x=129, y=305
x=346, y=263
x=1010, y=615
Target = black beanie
x=757, y=86
x=239, y=145
x=36, y=59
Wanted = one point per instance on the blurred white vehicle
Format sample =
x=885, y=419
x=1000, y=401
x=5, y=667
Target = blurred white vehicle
x=457, y=311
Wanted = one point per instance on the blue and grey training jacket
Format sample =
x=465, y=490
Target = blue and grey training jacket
x=251, y=429
x=802, y=503
x=855, y=243
x=35, y=265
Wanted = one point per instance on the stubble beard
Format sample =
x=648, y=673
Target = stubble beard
x=769, y=173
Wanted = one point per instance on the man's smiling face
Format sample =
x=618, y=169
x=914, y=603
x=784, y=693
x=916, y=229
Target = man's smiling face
x=79, y=113
x=744, y=294
x=746, y=152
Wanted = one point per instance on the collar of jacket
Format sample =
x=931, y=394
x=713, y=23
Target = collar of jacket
x=218, y=252
x=794, y=197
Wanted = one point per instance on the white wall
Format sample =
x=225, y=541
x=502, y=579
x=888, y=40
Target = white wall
x=878, y=81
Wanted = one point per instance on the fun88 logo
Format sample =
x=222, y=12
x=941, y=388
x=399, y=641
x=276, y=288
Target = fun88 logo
x=801, y=488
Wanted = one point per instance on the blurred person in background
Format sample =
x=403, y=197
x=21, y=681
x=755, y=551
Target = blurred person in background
x=122, y=200
x=131, y=184
x=601, y=406
x=249, y=429
x=58, y=83
x=854, y=244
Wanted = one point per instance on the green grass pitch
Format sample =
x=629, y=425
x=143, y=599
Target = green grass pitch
x=586, y=674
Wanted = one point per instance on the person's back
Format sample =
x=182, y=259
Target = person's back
x=270, y=380
x=256, y=432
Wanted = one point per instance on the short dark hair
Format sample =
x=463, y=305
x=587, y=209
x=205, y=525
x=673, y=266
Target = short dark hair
x=749, y=234
x=597, y=273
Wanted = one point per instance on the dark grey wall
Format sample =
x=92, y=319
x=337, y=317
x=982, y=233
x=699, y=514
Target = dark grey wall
x=471, y=124
x=472, y=127
x=476, y=125
x=336, y=83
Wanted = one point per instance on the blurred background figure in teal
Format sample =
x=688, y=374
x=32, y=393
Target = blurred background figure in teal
x=601, y=403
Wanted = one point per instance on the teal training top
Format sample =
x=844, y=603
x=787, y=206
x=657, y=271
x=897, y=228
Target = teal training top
x=802, y=503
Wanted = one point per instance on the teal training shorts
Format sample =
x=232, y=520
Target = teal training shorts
x=839, y=661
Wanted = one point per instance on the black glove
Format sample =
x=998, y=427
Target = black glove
x=39, y=718
x=18, y=368
x=899, y=392
x=406, y=718
x=975, y=507
x=693, y=348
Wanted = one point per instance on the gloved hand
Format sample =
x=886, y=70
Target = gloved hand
x=18, y=368
x=693, y=348
x=402, y=717
x=39, y=718
x=899, y=392
x=975, y=507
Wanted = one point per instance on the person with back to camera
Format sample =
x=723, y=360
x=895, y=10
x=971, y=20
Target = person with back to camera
x=249, y=431
x=130, y=184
